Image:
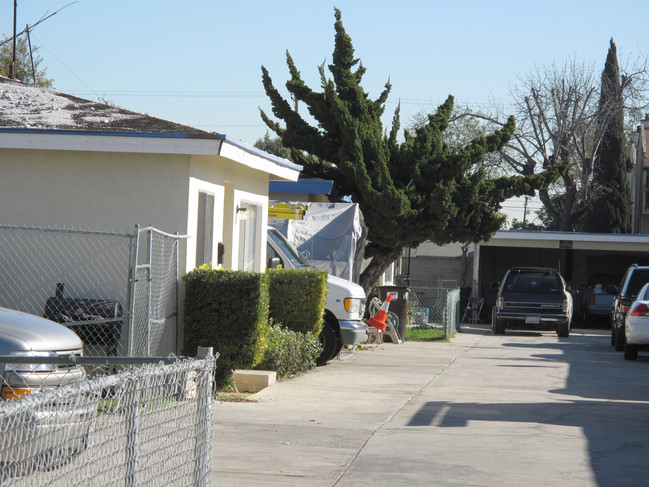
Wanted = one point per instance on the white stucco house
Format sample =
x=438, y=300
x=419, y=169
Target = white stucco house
x=67, y=161
x=73, y=163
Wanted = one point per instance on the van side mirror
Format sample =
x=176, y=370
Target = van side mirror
x=626, y=302
x=611, y=289
x=306, y=255
x=274, y=263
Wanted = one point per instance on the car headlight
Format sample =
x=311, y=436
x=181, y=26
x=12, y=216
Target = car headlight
x=33, y=366
x=354, y=305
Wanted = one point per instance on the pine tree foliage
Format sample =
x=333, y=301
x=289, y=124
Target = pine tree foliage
x=611, y=213
x=409, y=191
x=24, y=71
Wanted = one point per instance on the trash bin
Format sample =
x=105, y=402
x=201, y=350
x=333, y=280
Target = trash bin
x=398, y=305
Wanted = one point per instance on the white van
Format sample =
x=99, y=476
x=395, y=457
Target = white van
x=345, y=305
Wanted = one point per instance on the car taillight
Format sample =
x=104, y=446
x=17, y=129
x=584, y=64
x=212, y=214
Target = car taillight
x=565, y=305
x=501, y=303
x=639, y=309
x=591, y=299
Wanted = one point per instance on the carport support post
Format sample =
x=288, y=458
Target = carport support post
x=203, y=420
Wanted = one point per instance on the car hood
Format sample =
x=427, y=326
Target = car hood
x=23, y=331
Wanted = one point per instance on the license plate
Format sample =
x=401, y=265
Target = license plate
x=532, y=320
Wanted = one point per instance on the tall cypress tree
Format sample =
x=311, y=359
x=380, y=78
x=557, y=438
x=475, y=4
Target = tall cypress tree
x=611, y=213
x=409, y=192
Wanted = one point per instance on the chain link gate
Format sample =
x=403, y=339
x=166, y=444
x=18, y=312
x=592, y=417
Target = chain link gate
x=88, y=281
x=154, y=294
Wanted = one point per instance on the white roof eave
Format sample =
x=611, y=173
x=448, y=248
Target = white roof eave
x=153, y=144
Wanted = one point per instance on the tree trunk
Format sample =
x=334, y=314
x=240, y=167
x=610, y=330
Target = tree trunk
x=381, y=260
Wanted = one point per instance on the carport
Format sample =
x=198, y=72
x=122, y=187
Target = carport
x=584, y=259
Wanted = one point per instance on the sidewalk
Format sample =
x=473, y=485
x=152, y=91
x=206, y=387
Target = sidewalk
x=307, y=431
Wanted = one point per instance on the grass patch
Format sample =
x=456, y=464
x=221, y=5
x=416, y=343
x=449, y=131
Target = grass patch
x=424, y=334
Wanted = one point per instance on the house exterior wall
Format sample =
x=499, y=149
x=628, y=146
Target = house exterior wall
x=115, y=191
x=102, y=191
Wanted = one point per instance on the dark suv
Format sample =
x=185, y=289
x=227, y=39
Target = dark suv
x=533, y=297
x=635, y=277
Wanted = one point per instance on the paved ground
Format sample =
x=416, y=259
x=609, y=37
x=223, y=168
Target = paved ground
x=521, y=409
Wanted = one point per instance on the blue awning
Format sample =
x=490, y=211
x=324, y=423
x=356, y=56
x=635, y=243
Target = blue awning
x=302, y=186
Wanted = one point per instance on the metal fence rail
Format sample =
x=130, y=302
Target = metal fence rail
x=436, y=307
x=146, y=424
x=117, y=291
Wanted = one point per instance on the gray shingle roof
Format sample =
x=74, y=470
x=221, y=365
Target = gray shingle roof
x=25, y=106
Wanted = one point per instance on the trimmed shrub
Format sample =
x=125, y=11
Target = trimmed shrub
x=297, y=299
x=226, y=310
x=289, y=352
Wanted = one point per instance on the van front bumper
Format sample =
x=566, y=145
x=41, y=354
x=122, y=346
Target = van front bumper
x=354, y=332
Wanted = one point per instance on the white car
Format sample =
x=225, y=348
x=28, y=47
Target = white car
x=636, y=325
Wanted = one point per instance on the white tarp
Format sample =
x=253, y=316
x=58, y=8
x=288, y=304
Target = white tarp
x=333, y=234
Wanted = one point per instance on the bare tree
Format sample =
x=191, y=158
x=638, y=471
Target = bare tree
x=560, y=119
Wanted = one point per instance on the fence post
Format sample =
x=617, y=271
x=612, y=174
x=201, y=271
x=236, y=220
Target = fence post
x=203, y=420
x=132, y=283
x=149, y=243
x=132, y=413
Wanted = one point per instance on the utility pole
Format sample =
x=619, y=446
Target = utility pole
x=525, y=210
x=12, y=69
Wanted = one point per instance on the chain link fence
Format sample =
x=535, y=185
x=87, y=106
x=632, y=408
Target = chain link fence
x=437, y=307
x=111, y=421
x=117, y=291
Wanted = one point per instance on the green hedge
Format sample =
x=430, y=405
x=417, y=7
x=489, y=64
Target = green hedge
x=227, y=310
x=289, y=352
x=297, y=299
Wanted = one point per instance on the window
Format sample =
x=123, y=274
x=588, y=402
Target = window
x=248, y=237
x=204, y=228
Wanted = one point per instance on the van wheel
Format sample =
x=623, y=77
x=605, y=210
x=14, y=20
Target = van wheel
x=328, y=338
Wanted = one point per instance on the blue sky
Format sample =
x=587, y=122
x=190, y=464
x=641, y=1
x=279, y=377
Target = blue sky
x=198, y=62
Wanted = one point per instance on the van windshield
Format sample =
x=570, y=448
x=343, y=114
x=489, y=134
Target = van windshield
x=291, y=252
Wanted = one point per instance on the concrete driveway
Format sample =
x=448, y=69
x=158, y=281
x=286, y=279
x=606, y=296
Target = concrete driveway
x=520, y=409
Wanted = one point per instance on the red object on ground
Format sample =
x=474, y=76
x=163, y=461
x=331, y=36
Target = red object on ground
x=378, y=320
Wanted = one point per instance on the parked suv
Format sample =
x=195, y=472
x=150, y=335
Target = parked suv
x=533, y=297
x=635, y=277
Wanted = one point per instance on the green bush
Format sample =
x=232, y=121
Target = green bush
x=226, y=310
x=289, y=352
x=297, y=299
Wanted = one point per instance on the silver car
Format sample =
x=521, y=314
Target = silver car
x=38, y=434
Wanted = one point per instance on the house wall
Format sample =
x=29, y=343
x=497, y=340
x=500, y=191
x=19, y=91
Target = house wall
x=234, y=186
x=427, y=271
x=115, y=191
x=93, y=190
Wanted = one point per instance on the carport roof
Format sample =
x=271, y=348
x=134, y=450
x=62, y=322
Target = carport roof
x=522, y=238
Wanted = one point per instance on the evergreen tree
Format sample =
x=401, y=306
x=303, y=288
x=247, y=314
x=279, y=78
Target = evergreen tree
x=23, y=63
x=611, y=213
x=273, y=145
x=409, y=192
